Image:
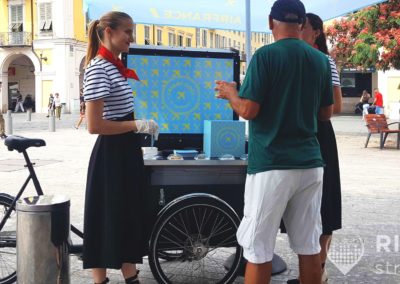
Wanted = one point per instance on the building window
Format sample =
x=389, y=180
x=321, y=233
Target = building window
x=171, y=39
x=189, y=42
x=211, y=40
x=224, y=42
x=197, y=37
x=146, y=35
x=16, y=18
x=159, y=37
x=204, y=38
x=180, y=40
x=45, y=17
x=230, y=43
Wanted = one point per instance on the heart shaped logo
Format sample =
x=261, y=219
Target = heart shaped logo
x=345, y=252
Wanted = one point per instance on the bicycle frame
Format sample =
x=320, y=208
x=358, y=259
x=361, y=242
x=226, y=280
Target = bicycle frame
x=39, y=191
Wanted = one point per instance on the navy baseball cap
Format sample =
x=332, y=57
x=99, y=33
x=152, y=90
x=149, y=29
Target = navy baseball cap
x=288, y=11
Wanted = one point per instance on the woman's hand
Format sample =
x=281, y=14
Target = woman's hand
x=147, y=127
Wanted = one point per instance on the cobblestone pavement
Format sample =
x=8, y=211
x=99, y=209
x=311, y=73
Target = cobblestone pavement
x=370, y=189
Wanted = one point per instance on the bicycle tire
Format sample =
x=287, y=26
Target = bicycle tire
x=8, y=243
x=191, y=224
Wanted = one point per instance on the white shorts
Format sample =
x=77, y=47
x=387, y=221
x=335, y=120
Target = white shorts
x=295, y=196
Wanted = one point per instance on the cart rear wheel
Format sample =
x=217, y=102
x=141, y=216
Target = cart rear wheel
x=197, y=234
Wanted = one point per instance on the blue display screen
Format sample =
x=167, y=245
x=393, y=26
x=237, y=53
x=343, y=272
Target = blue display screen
x=178, y=92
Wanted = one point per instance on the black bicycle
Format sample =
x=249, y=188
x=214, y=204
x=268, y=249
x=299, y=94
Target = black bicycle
x=192, y=236
x=8, y=242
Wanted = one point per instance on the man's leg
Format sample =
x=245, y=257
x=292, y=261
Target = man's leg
x=266, y=197
x=302, y=219
x=310, y=269
x=258, y=273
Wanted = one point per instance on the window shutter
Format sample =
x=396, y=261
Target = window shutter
x=16, y=18
x=42, y=16
x=45, y=16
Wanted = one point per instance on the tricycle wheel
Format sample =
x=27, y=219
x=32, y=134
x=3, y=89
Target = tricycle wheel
x=191, y=241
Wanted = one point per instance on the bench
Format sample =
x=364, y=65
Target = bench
x=377, y=124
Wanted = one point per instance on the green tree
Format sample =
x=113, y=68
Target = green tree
x=368, y=38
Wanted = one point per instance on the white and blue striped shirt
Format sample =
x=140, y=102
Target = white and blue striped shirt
x=102, y=80
x=334, y=72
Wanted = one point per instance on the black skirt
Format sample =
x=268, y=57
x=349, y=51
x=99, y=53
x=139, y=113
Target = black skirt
x=113, y=227
x=331, y=205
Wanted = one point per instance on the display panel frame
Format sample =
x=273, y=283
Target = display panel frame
x=170, y=141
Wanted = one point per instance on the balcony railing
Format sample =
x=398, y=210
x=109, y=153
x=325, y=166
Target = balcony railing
x=10, y=39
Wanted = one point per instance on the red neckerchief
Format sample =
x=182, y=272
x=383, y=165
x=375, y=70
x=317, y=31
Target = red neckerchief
x=126, y=72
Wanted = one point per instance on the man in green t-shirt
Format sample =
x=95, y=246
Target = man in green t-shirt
x=286, y=89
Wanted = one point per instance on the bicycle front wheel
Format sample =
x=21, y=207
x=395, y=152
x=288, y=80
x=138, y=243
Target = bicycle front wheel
x=8, y=242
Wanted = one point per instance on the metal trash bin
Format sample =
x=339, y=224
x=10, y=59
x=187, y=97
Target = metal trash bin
x=43, y=228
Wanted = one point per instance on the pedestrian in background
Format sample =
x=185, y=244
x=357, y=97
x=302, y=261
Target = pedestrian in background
x=2, y=127
x=28, y=102
x=378, y=101
x=113, y=219
x=57, y=105
x=82, y=109
x=50, y=106
x=287, y=88
x=19, y=104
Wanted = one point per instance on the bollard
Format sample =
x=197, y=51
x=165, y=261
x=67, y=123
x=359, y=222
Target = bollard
x=42, y=240
x=9, y=125
x=28, y=114
x=52, y=123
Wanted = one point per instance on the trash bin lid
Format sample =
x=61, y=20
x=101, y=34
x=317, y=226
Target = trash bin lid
x=43, y=203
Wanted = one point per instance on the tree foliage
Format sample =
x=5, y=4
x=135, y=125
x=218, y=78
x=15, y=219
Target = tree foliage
x=368, y=38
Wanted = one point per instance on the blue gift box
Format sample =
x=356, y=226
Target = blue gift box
x=224, y=137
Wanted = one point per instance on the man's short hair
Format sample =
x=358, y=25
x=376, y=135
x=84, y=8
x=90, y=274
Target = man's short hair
x=289, y=11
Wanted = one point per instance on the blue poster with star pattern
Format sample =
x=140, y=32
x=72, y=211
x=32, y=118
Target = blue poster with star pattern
x=178, y=92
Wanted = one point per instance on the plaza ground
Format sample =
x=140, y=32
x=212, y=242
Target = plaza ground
x=370, y=190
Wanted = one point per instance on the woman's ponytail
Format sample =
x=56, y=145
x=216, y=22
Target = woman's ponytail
x=93, y=42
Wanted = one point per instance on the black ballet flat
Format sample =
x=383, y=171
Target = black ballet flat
x=133, y=279
x=104, y=282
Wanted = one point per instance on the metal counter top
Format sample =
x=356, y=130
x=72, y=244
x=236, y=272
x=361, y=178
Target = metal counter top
x=155, y=163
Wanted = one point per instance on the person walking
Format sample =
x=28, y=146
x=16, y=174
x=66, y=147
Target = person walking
x=82, y=110
x=57, y=105
x=286, y=88
x=29, y=104
x=19, y=104
x=331, y=204
x=2, y=127
x=50, y=106
x=113, y=217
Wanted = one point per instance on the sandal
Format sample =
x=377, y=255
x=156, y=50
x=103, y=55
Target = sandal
x=133, y=279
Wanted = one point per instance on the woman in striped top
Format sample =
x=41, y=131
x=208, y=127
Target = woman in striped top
x=114, y=192
x=331, y=205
